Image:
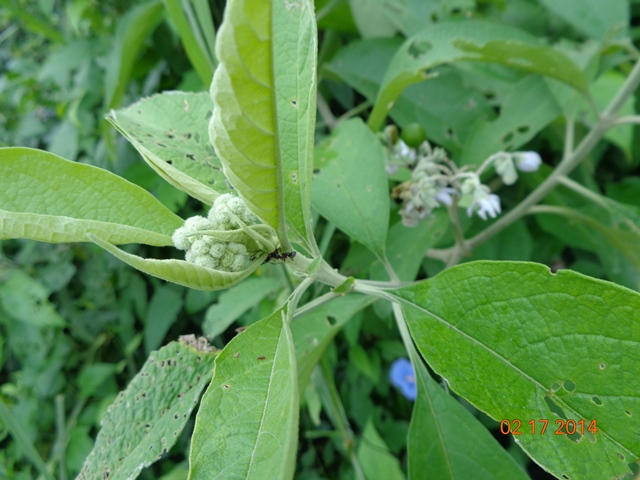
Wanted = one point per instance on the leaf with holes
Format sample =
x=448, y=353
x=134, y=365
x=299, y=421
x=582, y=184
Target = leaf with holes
x=247, y=425
x=47, y=198
x=521, y=343
x=447, y=106
x=528, y=108
x=170, y=132
x=473, y=40
x=146, y=419
x=264, y=92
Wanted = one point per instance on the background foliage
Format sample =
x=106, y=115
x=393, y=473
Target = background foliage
x=76, y=324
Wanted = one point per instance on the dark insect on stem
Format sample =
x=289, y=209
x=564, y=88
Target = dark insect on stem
x=276, y=255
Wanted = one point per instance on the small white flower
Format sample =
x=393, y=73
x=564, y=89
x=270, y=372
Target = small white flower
x=445, y=194
x=528, y=161
x=484, y=203
x=489, y=206
x=404, y=152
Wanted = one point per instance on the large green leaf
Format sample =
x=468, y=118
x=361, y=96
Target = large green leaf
x=247, y=425
x=45, y=197
x=146, y=419
x=264, y=92
x=523, y=344
x=170, y=132
x=350, y=188
x=469, y=40
x=179, y=271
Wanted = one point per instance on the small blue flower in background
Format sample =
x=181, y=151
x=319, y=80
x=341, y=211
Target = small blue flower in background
x=402, y=376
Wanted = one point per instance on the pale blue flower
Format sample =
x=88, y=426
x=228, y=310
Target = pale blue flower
x=528, y=161
x=403, y=377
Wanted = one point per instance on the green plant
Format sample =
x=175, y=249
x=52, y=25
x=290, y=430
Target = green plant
x=520, y=343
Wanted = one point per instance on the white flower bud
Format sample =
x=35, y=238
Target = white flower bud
x=217, y=250
x=506, y=169
x=470, y=185
x=527, y=161
x=180, y=239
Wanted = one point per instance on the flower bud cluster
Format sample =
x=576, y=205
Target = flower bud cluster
x=218, y=241
x=436, y=180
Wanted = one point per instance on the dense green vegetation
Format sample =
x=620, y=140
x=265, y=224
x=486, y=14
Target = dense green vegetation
x=77, y=324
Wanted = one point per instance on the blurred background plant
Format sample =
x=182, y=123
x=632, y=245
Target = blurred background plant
x=76, y=324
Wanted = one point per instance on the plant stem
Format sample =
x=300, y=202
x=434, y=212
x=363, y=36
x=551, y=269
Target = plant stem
x=325, y=113
x=584, y=191
x=354, y=111
x=460, y=247
x=627, y=120
x=61, y=438
x=295, y=297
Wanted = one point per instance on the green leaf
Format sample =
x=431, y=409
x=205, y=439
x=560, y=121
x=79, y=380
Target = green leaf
x=604, y=89
x=133, y=30
x=264, y=92
x=234, y=302
x=469, y=40
x=363, y=63
x=406, y=246
x=521, y=343
x=313, y=332
x=436, y=447
x=371, y=19
x=47, y=198
x=593, y=18
x=93, y=375
x=247, y=425
x=528, y=109
x=447, y=106
x=146, y=419
x=170, y=132
x=612, y=232
x=376, y=460
x=350, y=188
x=179, y=271
x=163, y=311
x=26, y=300
x=195, y=45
